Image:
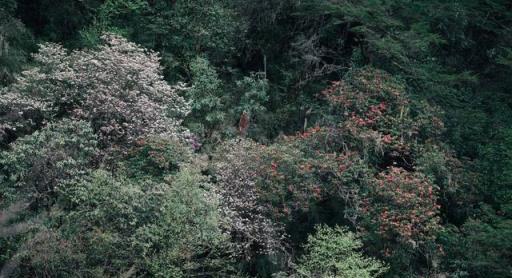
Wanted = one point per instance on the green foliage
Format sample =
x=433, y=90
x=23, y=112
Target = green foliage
x=156, y=157
x=251, y=96
x=335, y=252
x=389, y=117
x=206, y=96
x=188, y=232
x=48, y=252
x=40, y=163
x=57, y=21
x=479, y=247
x=15, y=42
x=109, y=225
x=180, y=30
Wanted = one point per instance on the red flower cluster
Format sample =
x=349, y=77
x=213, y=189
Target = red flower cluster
x=403, y=205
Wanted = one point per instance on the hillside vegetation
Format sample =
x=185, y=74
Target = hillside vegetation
x=268, y=138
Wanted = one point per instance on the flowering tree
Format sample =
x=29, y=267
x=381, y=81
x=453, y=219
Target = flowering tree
x=403, y=206
x=118, y=88
x=367, y=160
x=249, y=223
x=371, y=111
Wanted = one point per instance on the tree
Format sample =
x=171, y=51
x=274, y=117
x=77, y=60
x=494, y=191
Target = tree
x=335, y=252
x=117, y=88
x=391, y=118
x=15, y=42
x=110, y=225
x=206, y=96
x=40, y=164
x=179, y=30
x=57, y=21
x=402, y=207
x=249, y=221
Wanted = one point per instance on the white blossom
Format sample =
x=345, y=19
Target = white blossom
x=118, y=88
x=249, y=224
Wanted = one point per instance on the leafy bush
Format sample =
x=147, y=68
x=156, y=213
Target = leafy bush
x=111, y=225
x=40, y=164
x=335, y=252
x=206, y=96
x=156, y=157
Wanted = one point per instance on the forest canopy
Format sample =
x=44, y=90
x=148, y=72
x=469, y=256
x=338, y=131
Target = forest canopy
x=271, y=138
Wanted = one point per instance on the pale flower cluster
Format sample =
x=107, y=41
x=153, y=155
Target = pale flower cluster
x=118, y=88
x=250, y=227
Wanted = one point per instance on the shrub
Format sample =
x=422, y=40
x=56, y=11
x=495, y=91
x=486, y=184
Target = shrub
x=335, y=252
x=40, y=163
